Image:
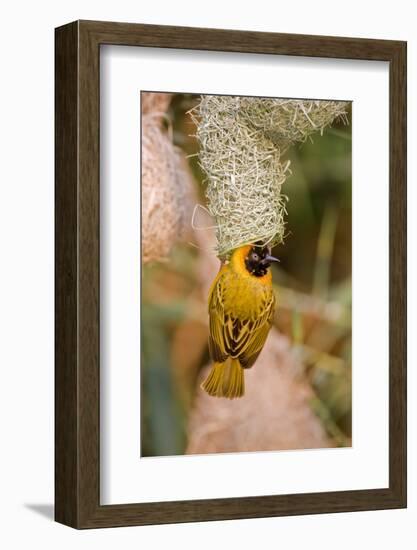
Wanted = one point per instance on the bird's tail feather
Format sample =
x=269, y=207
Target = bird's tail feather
x=225, y=380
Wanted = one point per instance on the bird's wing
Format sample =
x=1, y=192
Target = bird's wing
x=257, y=332
x=242, y=338
x=217, y=346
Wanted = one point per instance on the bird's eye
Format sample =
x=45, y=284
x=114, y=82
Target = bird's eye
x=255, y=257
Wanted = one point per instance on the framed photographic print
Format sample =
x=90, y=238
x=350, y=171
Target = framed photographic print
x=230, y=274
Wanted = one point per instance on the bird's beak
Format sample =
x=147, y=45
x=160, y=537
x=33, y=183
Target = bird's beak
x=268, y=259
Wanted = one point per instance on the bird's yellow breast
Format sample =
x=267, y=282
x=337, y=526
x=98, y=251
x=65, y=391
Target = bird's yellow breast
x=245, y=295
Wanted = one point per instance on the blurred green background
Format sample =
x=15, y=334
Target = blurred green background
x=313, y=283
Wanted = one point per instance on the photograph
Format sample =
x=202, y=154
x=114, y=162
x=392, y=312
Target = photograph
x=246, y=273
x=209, y=248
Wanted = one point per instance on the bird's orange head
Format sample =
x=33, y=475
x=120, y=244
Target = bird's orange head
x=255, y=259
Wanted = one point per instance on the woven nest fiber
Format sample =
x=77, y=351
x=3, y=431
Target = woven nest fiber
x=242, y=141
x=165, y=183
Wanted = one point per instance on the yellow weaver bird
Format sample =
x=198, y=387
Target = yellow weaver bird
x=241, y=307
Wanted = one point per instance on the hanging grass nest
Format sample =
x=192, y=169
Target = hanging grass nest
x=166, y=185
x=242, y=140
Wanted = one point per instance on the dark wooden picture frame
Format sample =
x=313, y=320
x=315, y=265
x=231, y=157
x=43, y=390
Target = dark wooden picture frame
x=77, y=360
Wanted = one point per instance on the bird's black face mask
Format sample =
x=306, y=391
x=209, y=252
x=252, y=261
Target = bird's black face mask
x=259, y=260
